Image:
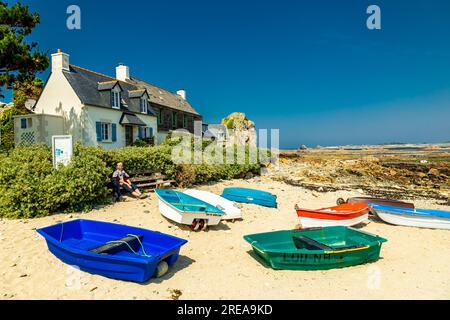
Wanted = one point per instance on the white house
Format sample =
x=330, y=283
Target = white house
x=97, y=109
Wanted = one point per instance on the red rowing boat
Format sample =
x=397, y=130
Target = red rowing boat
x=346, y=214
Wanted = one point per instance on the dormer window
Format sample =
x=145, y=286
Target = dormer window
x=115, y=99
x=144, y=104
x=115, y=91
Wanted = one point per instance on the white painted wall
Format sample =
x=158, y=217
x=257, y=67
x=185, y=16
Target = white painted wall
x=58, y=98
x=42, y=128
x=94, y=114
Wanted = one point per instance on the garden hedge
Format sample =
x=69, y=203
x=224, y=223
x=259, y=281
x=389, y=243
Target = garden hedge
x=30, y=186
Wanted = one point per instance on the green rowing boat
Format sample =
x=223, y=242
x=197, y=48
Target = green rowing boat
x=315, y=248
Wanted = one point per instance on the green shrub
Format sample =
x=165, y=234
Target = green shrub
x=144, y=142
x=185, y=175
x=23, y=175
x=80, y=185
x=135, y=159
x=31, y=187
x=138, y=159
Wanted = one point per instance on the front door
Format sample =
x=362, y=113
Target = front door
x=128, y=135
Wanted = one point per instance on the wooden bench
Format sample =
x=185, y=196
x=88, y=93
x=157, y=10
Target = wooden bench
x=151, y=181
x=147, y=180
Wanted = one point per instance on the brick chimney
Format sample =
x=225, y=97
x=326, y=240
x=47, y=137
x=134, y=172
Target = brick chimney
x=60, y=61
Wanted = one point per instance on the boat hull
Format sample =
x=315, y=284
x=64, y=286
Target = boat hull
x=410, y=220
x=183, y=217
x=268, y=249
x=342, y=215
x=307, y=222
x=245, y=195
x=232, y=211
x=70, y=242
x=184, y=209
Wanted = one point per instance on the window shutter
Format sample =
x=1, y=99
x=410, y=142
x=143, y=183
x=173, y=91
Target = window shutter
x=98, y=130
x=114, y=132
x=140, y=132
x=151, y=132
x=112, y=98
x=23, y=123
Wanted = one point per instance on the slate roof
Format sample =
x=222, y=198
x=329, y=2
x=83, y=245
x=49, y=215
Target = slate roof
x=136, y=93
x=93, y=89
x=108, y=85
x=164, y=97
x=128, y=118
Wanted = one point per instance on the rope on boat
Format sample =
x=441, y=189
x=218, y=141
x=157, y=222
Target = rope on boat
x=179, y=199
x=132, y=250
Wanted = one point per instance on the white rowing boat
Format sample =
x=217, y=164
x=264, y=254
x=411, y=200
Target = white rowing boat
x=422, y=218
x=185, y=209
x=231, y=209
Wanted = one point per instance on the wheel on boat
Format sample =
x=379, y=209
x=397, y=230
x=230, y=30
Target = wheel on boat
x=203, y=225
x=195, y=225
x=161, y=269
x=340, y=201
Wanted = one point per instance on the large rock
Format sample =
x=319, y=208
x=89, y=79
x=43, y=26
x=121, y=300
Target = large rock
x=241, y=131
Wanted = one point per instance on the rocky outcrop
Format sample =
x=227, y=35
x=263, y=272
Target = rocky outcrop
x=241, y=131
x=403, y=176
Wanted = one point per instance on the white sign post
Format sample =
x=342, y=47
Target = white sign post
x=62, y=150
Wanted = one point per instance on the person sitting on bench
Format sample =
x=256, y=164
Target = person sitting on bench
x=121, y=179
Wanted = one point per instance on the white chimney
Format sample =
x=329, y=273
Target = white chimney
x=182, y=93
x=122, y=72
x=60, y=61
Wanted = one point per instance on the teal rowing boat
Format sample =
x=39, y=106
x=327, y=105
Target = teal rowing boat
x=315, y=248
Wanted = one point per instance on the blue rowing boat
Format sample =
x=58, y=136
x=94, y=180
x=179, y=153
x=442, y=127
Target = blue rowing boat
x=422, y=218
x=112, y=250
x=247, y=195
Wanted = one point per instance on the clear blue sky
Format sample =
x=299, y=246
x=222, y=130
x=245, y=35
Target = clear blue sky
x=310, y=68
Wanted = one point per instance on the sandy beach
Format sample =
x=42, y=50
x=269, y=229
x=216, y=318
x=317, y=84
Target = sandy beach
x=216, y=264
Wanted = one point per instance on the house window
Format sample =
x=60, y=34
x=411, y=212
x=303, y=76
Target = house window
x=144, y=105
x=26, y=123
x=115, y=99
x=174, y=119
x=145, y=132
x=148, y=133
x=160, y=116
x=106, y=131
